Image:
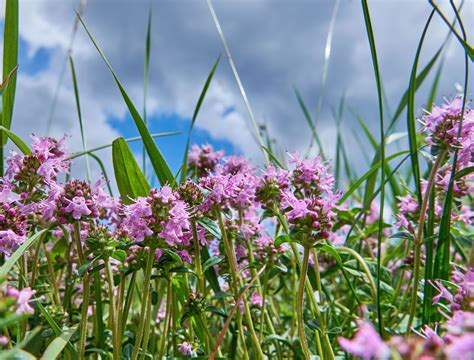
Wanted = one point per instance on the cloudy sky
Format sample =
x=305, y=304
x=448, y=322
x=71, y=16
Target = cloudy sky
x=276, y=45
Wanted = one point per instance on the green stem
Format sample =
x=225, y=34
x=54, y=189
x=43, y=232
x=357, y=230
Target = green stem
x=113, y=321
x=299, y=304
x=238, y=284
x=144, y=311
x=164, y=334
x=86, y=292
x=264, y=293
x=419, y=237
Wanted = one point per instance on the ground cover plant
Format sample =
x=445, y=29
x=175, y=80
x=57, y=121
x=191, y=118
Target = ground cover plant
x=227, y=259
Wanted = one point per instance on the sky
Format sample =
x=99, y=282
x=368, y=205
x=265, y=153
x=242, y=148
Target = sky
x=276, y=45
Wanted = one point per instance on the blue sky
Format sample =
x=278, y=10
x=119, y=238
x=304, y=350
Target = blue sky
x=276, y=45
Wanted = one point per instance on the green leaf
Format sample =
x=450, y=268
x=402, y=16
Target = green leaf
x=12, y=319
x=182, y=270
x=173, y=255
x=25, y=149
x=119, y=255
x=212, y=261
x=211, y=227
x=19, y=252
x=10, y=61
x=330, y=249
x=463, y=172
x=162, y=170
x=130, y=180
x=184, y=165
x=283, y=239
x=57, y=345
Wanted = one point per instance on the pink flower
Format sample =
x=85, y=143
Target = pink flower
x=366, y=343
x=23, y=298
x=461, y=348
x=78, y=207
x=10, y=241
x=185, y=348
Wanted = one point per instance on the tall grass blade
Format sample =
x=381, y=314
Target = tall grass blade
x=130, y=180
x=62, y=72
x=105, y=146
x=10, y=62
x=145, y=81
x=162, y=170
x=310, y=122
x=327, y=56
x=373, y=51
x=237, y=78
x=468, y=49
x=411, y=121
x=184, y=165
x=79, y=115
x=104, y=172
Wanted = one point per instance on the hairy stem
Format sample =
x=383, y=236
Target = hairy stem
x=299, y=304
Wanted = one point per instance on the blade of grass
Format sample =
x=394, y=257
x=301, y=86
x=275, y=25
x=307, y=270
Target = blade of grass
x=158, y=162
x=237, y=78
x=104, y=172
x=145, y=81
x=130, y=180
x=434, y=87
x=469, y=51
x=132, y=139
x=327, y=56
x=184, y=165
x=367, y=174
x=10, y=62
x=79, y=115
x=310, y=122
x=411, y=121
x=370, y=34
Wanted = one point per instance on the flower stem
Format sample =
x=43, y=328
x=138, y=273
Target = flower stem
x=146, y=293
x=419, y=237
x=110, y=284
x=164, y=334
x=238, y=284
x=299, y=304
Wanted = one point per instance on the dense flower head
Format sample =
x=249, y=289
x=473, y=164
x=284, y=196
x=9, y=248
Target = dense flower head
x=442, y=125
x=76, y=201
x=271, y=186
x=266, y=249
x=12, y=227
x=311, y=176
x=203, y=160
x=235, y=164
x=42, y=166
x=161, y=214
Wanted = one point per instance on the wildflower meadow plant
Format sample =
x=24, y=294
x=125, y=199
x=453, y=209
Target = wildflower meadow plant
x=240, y=260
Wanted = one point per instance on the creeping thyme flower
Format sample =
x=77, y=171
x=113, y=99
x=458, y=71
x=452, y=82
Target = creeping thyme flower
x=23, y=298
x=366, y=343
x=235, y=164
x=42, y=166
x=442, y=125
x=12, y=228
x=185, y=349
x=203, y=160
x=161, y=215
